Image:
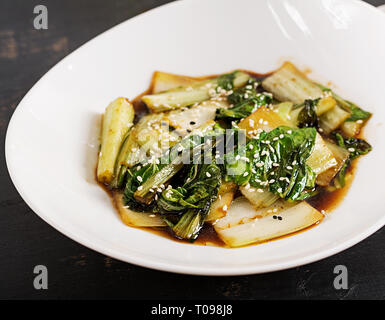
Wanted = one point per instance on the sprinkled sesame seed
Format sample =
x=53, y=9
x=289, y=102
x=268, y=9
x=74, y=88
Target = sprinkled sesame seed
x=140, y=188
x=224, y=208
x=139, y=178
x=351, y=149
x=208, y=174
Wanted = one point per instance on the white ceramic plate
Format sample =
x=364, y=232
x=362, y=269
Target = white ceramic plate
x=51, y=143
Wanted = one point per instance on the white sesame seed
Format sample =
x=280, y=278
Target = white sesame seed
x=351, y=149
x=208, y=174
x=224, y=208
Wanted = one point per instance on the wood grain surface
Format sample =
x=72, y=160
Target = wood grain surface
x=76, y=272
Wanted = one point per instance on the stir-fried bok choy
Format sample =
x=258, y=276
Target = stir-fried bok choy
x=246, y=155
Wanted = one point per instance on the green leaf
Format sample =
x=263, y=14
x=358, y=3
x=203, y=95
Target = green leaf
x=245, y=101
x=276, y=161
x=356, y=112
x=308, y=115
x=356, y=148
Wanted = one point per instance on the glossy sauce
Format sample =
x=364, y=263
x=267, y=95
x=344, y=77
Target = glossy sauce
x=325, y=201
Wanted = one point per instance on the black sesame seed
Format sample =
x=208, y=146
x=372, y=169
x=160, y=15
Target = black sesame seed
x=188, y=130
x=192, y=122
x=274, y=217
x=279, y=218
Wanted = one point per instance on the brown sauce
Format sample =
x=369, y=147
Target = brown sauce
x=325, y=201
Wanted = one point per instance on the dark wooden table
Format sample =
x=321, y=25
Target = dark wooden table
x=77, y=272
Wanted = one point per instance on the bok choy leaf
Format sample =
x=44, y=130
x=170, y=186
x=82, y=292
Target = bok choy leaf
x=245, y=101
x=356, y=148
x=276, y=162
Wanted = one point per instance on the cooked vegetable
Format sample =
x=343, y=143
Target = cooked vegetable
x=321, y=159
x=223, y=201
x=242, y=212
x=134, y=218
x=244, y=101
x=149, y=138
x=290, y=84
x=341, y=155
x=357, y=118
x=264, y=119
x=120, y=166
x=283, y=140
x=278, y=222
x=356, y=148
x=258, y=198
x=116, y=122
x=187, y=119
x=196, y=195
x=276, y=161
x=197, y=92
x=163, y=81
x=291, y=113
x=308, y=117
x=332, y=119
